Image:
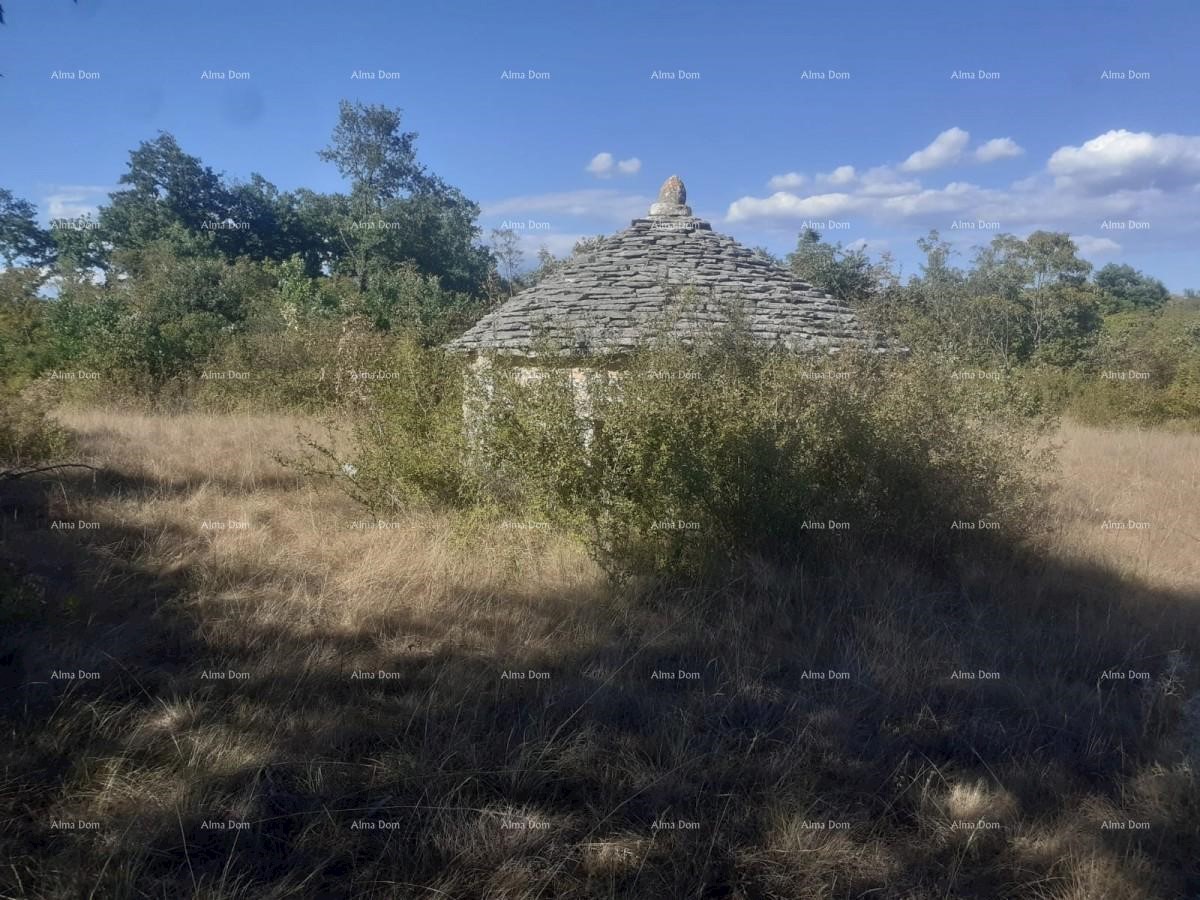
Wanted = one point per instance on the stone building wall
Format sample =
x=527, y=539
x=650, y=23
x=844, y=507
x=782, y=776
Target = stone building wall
x=479, y=388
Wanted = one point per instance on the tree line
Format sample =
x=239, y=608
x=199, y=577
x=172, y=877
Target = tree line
x=181, y=256
x=1109, y=345
x=183, y=264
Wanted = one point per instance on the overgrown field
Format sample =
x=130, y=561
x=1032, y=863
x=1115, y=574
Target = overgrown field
x=232, y=682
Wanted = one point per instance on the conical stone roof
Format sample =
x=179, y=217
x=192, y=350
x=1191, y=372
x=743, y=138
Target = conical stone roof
x=618, y=294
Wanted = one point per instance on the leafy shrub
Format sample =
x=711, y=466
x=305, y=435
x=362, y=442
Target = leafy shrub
x=319, y=365
x=1146, y=370
x=150, y=331
x=286, y=369
x=703, y=457
x=405, y=298
x=24, y=333
x=409, y=443
x=28, y=436
x=1102, y=401
x=680, y=461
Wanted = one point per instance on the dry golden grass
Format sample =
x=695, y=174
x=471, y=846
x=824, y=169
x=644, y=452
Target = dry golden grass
x=1151, y=478
x=321, y=551
x=565, y=786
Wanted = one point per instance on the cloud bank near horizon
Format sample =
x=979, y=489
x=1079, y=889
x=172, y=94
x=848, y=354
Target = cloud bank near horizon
x=1099, y=190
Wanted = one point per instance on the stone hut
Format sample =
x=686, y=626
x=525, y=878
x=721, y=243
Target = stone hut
x=612, y=298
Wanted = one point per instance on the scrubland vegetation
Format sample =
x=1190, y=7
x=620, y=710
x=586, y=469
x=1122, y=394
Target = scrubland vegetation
x=552, y=786
x=916, y=625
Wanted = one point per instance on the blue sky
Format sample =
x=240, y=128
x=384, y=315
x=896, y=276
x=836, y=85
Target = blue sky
x=881, y=155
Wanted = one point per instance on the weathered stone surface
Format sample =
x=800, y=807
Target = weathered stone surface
x=673, y=191
x=612, y=298
x=672, y=200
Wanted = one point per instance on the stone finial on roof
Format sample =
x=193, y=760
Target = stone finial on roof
x=672, y=199
x=619, y=296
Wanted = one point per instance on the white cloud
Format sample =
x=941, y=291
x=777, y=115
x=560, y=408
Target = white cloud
x=997, y=148
x=1090, y=245
x=882, y=181
x=72, y=201
x=840, y=175
x=1118, y=176
x=946, y=148
x=603, y=165
x=790, y=181
x=1032, y=183
x=1126, y=159
x=784, y=205
x=871, y=245
x=600, y=203
x=559, y=243
x=955, y=197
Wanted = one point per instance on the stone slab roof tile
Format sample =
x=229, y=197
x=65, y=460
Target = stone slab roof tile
x=610, y=298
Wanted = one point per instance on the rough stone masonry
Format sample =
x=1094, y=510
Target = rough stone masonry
x=614, y=297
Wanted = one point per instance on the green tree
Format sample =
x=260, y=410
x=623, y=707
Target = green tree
x=83, y=319
x=438, y=232
x=939, y=285
x=848, y=275
x=1056, y=279
x=999, y=268
x=547, y=264
x=166, y=192
x=396, y=210
x=1053, y=258
x=271, y=225
x=171, y=195
x=171, y=312
x=1040, y=285
x=939, y=311
x=1124, y=287
x=26, y=343
x=407, y=299
x=371, y=152
x=506, y=248
x=79, y=245
x=21, y=238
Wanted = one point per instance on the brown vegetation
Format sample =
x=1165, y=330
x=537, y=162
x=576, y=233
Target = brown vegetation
x=1138, y=475
x=540, y=787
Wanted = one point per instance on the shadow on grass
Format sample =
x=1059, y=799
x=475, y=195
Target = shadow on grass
x=881, y=731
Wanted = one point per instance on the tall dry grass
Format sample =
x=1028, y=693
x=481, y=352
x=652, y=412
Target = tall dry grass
x=1131, y=475
x=490, y=786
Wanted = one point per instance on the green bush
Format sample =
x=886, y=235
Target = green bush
x=704, y=457
x=28, y=436
x=409, y=446
x=1146, y=370
x=1101, y=401
x=147, y=333
x=281, y=369
x=405, y=298
x=681, y=461
x=25, y=341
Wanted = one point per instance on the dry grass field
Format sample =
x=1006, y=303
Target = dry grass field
x=1150, y=477
x=275, y=695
